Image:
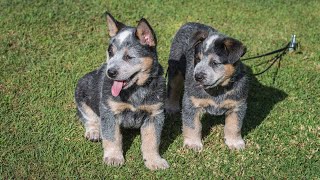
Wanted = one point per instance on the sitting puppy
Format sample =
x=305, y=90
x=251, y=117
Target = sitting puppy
x=127, y=91
x=207, y=62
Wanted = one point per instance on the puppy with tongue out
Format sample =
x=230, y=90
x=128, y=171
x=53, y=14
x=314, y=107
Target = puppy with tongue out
x=116, y=88
x=127, y=91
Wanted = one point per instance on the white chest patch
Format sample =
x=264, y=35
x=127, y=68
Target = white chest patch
x=211, y=40
x=123, y=35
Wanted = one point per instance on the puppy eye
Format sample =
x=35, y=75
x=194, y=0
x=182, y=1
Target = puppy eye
x=110, y=51
x=196, y=60
x=214, y=63
x=127, y=57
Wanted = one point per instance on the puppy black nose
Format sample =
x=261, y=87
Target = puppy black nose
x=199, y=76
x=112, y=72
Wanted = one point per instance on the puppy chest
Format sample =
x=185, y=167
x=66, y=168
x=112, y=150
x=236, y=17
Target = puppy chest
x=215, y=110
x=214, y=106
x=130, y=119
x=134, y=115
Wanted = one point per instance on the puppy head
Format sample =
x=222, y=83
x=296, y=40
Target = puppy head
x=215, y=58
x=130, y=54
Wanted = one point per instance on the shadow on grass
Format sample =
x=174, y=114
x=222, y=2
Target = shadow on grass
x=261, y=101
x=128, y=136
x=171, y=130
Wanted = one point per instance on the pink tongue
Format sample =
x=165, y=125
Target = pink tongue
x=116, y=88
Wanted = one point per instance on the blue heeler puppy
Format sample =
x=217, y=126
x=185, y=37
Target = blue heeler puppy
x=206, y=63
x=127, y=91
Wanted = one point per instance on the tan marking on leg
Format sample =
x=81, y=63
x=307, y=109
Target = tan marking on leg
x=192, y=136
x=113, y=154
x=117, y=143
x=201, y=103
x=119, y=107
x=92, y=123
x=176, y=85
x=229, y=71
x=150, y=148
x=146, y=66
x=149, y=141
x=153, y=109
x=232, y=131
x=231, y=124
x=92, y=118
x=193, y=132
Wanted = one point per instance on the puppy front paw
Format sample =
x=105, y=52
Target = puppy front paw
x=237, y=143
x=92, y=135
x=156, y=163
x=114, y=160
x=195, y=145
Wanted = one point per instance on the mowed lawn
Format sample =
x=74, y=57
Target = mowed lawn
x=45, y=47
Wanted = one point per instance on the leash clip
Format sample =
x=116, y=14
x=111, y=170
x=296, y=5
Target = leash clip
x=293, y=43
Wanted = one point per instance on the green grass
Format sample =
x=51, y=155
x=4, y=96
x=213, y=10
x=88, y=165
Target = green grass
x=45, y=47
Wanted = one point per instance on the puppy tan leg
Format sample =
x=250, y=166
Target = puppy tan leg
x=113, y=154
x=91, y=122
x=232, y=131
x=150, y=137
x=192, y=134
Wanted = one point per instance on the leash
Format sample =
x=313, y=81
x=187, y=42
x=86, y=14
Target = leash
x=267, y=54
x=290, y=47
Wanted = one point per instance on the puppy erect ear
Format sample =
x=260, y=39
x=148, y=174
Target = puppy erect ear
x=233, y=48
x=145, y=33
x=196, y=41
x=198, y=38
x=114, y=26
